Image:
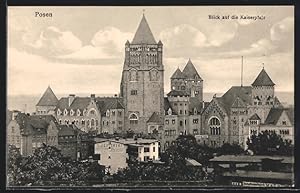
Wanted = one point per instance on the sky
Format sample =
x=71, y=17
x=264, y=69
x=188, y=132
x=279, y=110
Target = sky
x=81, y=49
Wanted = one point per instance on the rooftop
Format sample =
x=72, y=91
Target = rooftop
x=263, y=79
x=143, y=34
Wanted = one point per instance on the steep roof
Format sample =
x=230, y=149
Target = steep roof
x=105, y=103
x=78, y=103
x=155, y=118
x=291, y=114
x=168, y=106
x=143, y=34
x=263, y=79
x=238, y=103
x=195, y=103
x=66, y=130
x=273, y=116
x=48, y=98
x=178, y=74
x=254, y=117
x=242, y=92
x=190, y=71
x=178, y=93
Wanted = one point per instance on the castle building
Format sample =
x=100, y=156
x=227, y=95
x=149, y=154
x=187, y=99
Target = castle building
x=143, y=108
x=246, y=110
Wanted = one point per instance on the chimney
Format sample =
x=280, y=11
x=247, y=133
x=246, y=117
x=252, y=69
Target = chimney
x=93, y=97
x=71, y=98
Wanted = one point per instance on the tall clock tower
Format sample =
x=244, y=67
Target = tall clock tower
x=142, y=84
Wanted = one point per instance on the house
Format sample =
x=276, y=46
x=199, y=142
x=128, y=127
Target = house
x=115, y=153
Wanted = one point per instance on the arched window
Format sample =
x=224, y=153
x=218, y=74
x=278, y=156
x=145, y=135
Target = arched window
x=92, y=112
x=58, y=112
x=170, y=111
x=133, y=118
x=215, y=126
x=92, y=123
x=65, y=112
x=133, y=75
x=78, y=112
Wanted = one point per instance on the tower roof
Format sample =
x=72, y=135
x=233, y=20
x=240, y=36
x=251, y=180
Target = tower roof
x=48, y=98
x=143, y=34
x=263, y=79
x=177, y=74
x=190, y=71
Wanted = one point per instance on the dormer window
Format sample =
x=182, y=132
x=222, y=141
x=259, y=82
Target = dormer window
x=195, y=111
x=58, y=112
x=65, y=112
x=78, y=112
x=169, y=111
x=84, y=112
x=107, y=113
x=71, y=112
x=283, y=122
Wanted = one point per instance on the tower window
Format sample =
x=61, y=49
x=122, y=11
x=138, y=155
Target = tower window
x=133, y=118
x=133, y=92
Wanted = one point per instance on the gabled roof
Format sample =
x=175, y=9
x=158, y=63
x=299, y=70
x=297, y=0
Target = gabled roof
x=48, y=98
x=238, y=103
x=242, y=92
x=190, y=71
x=195, y=103
x=168, y=106
x=291, y=114
x=255, y=117
x=105, y=103
x=47, y=118
x=263, y=79
x=274, y=116
x=155, y=118
x=143, y=34
x=178, y=93
x=78, y=103
x=178, y=74
x=66, y=130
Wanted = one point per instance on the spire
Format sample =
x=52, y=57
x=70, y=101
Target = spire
x=143, y=33
x=190, y=71
x=263, y=79
x=48, y=98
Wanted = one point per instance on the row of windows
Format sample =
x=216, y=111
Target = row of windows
x=173, y=121
x=113, y=113
x=170, y=132
x=180, y=104
x=195, y=121
x=215, y=131
x=284, y=132
x=91, y=123
x=113, y=122
x=260, y=103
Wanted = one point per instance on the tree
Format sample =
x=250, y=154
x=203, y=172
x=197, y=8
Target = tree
x=13, y=164
x=269, y=143
x=230, y=149
x=48, y=167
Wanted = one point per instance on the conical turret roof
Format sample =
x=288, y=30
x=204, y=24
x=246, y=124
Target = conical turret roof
x=263, y=79
x=190, y=71
x=48, y=98
x=143, y=34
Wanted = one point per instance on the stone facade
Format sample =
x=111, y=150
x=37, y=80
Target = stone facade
x=142, y=84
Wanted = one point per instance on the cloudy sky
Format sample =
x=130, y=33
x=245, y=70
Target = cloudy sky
x=81, y=49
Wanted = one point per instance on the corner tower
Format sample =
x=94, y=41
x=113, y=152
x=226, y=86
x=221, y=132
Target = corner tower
x=142, y=84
